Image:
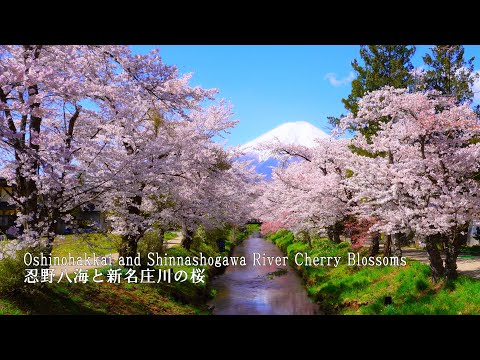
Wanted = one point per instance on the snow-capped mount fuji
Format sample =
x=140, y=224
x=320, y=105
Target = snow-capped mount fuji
x=296, y=133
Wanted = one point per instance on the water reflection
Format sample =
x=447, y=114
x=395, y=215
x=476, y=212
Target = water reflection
x=248, y=290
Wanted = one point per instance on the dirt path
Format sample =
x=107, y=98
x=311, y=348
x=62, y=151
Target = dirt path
x=469, y=267
x=173, y=242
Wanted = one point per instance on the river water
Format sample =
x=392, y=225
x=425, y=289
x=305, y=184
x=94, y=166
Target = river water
x=250, y=290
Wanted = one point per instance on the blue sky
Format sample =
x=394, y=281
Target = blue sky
x=269, y=85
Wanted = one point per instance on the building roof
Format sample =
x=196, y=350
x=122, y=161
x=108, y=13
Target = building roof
x=6, y=206
x=3, y=183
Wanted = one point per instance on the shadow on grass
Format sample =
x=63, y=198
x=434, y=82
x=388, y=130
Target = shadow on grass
x=330, y=297
x=443, y=298
x=46, y=301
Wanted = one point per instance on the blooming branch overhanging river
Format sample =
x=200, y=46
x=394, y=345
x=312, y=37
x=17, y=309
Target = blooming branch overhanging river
x=261, y=290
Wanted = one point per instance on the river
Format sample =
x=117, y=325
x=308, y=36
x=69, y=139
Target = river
x=252, y=290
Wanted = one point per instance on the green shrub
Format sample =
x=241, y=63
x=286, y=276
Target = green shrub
x=199, y=237
x=240, y=234
x=252, y=228
x=209, y=237
x=243, y=232
x=12, y=273
x=279, y=235
x=215, y=235
x=152, y=241
x=178, y=251
x=104, y=270
x=470, y=250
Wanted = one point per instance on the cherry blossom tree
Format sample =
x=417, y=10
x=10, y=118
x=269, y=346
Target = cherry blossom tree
x=176, y=173
x=217, y=194
x=51, y=117
x=169, y=163
x=98, y=123
x=271, y=227
x=423, y=177
x=358, y=230
x=307, y=193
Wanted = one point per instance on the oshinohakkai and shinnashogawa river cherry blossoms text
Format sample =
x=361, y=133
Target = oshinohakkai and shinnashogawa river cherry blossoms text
x=257, y=259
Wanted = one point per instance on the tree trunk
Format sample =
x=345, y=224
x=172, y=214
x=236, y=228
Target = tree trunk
x=128, y=246
x=160, y=236
x=309, y=239
x=406, y=238
x=336, y=235
x=27, y=189
x=52, y=230
x=451, y=263
x=187, y=239
x=31, y=191
x=375, y=246
x=330, y=233
x=333, y=233
x=46, y=248
x=397, y=246
x=436, y=262
x=451, y=253
x=26, y=152
x=387, y=249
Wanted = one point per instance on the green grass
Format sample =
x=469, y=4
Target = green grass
x=7, y=307
x=467, y=256
x=104, y=298
x=91, y=298
x=470, y=251
x=169, y=235
x=188, y=291
x=362, y=290
x=79, y=244
x=100, y=244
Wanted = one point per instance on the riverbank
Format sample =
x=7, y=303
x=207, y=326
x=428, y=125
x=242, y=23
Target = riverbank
x=163, y=298
x=362, y=290
x=175, y=298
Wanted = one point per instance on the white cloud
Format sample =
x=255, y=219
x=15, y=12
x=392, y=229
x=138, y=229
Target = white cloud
x=332, y=79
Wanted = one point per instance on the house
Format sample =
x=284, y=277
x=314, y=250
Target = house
x=473, y=237
x=88, y=218
x=8, y=212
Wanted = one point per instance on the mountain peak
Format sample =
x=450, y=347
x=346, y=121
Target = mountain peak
x=296, y=132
